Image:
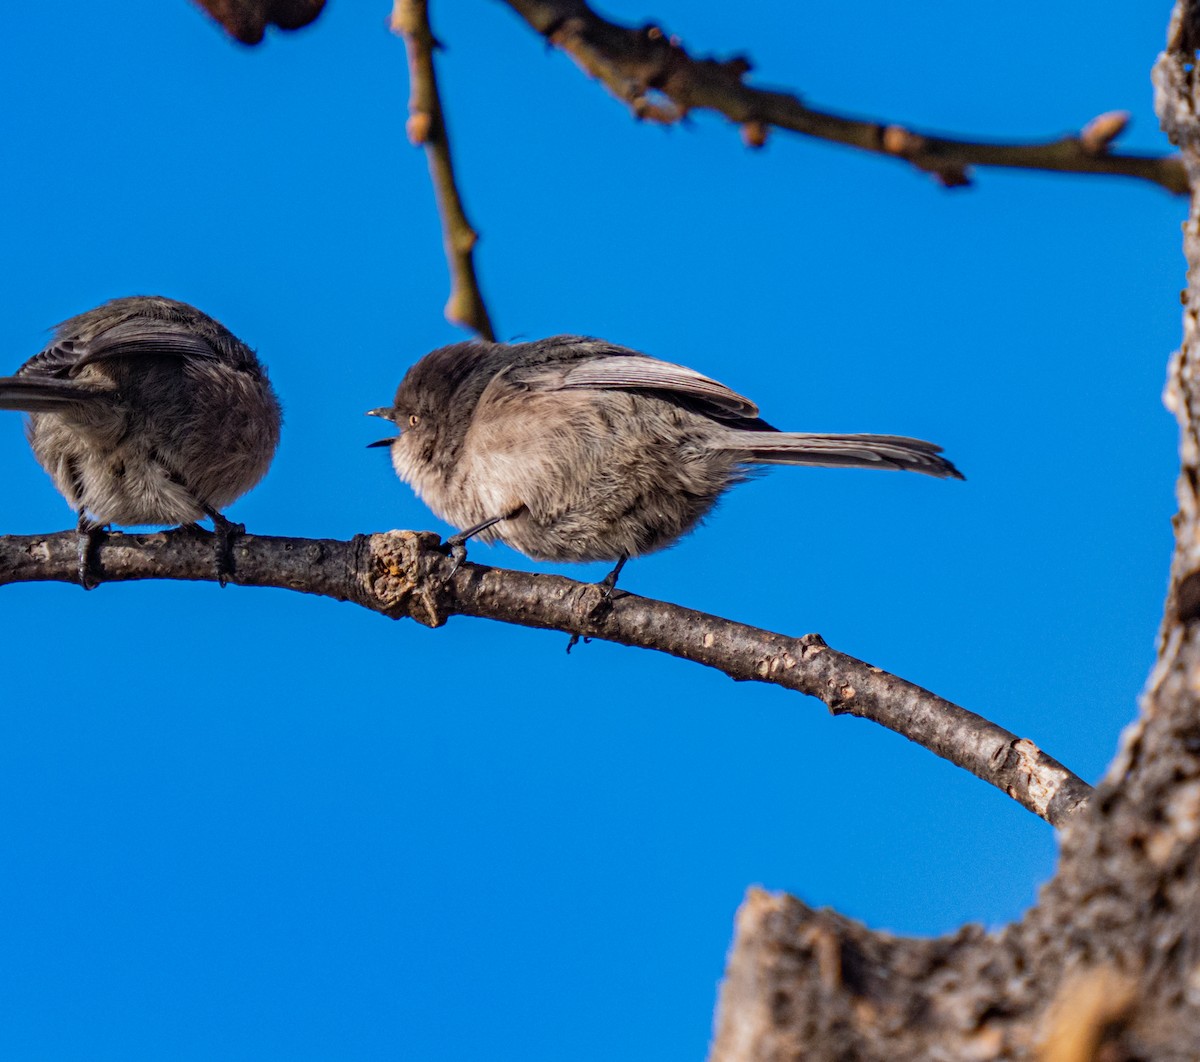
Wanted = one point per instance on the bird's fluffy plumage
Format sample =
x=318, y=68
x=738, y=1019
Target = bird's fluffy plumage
x=147, y=411
x=593, y=451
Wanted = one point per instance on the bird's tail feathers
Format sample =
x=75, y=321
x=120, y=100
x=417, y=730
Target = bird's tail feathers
x=34, y=394
x=841, y=451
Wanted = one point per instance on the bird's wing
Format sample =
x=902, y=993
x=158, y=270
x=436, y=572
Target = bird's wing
x=134, y=336
x=637, y=372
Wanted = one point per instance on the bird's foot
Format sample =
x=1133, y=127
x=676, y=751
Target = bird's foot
x=456, y=548
x=88, y=538
x=609, y=583
x=603, y=601
x=224, y=532
x=456, y=545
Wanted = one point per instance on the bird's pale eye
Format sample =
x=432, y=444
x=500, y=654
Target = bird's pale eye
x=413, y=420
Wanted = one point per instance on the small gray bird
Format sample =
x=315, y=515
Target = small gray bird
x=147, y=411
x=573, y=449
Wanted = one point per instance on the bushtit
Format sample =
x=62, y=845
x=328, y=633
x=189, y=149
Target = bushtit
x=147, y=411
x=572, y=449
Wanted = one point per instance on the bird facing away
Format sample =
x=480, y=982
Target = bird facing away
x=573, y=449
x=146, y=411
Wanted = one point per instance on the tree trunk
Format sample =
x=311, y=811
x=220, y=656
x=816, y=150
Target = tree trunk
x=1107, y=965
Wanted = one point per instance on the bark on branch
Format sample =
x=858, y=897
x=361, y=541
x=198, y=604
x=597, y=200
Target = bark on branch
x=404, y=573
x=652, y=72
x=427, y=128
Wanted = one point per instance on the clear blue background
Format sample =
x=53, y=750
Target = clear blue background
x=248, y=824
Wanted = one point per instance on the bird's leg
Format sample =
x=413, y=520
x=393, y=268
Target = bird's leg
x=86, y=542
x=609, y=582
x=225, y=532
x=456, y=545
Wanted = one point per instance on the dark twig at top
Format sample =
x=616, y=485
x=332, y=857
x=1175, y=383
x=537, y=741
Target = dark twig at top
x=247, y=20
x=652, y=72
x=408, y=574
x=427, y=128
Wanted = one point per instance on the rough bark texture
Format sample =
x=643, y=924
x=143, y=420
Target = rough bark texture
x=1107, y=965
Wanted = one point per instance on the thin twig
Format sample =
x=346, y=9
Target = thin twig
x=406, y=573
x=427, y=127
x=651, y=72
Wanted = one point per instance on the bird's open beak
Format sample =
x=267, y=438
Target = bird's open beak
x=387, y=413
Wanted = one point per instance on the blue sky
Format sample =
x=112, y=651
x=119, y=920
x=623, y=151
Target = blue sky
x=248, y=824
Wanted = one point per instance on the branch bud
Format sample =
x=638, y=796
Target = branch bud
x=1101, y=131
x=417, y=127
x=754, y=134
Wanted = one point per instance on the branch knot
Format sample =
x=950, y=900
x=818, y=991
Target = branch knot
x=398, y=576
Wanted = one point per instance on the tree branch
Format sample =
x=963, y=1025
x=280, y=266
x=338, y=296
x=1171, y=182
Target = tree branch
x=427, y=127
x=406, y=573
x=661, y=82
